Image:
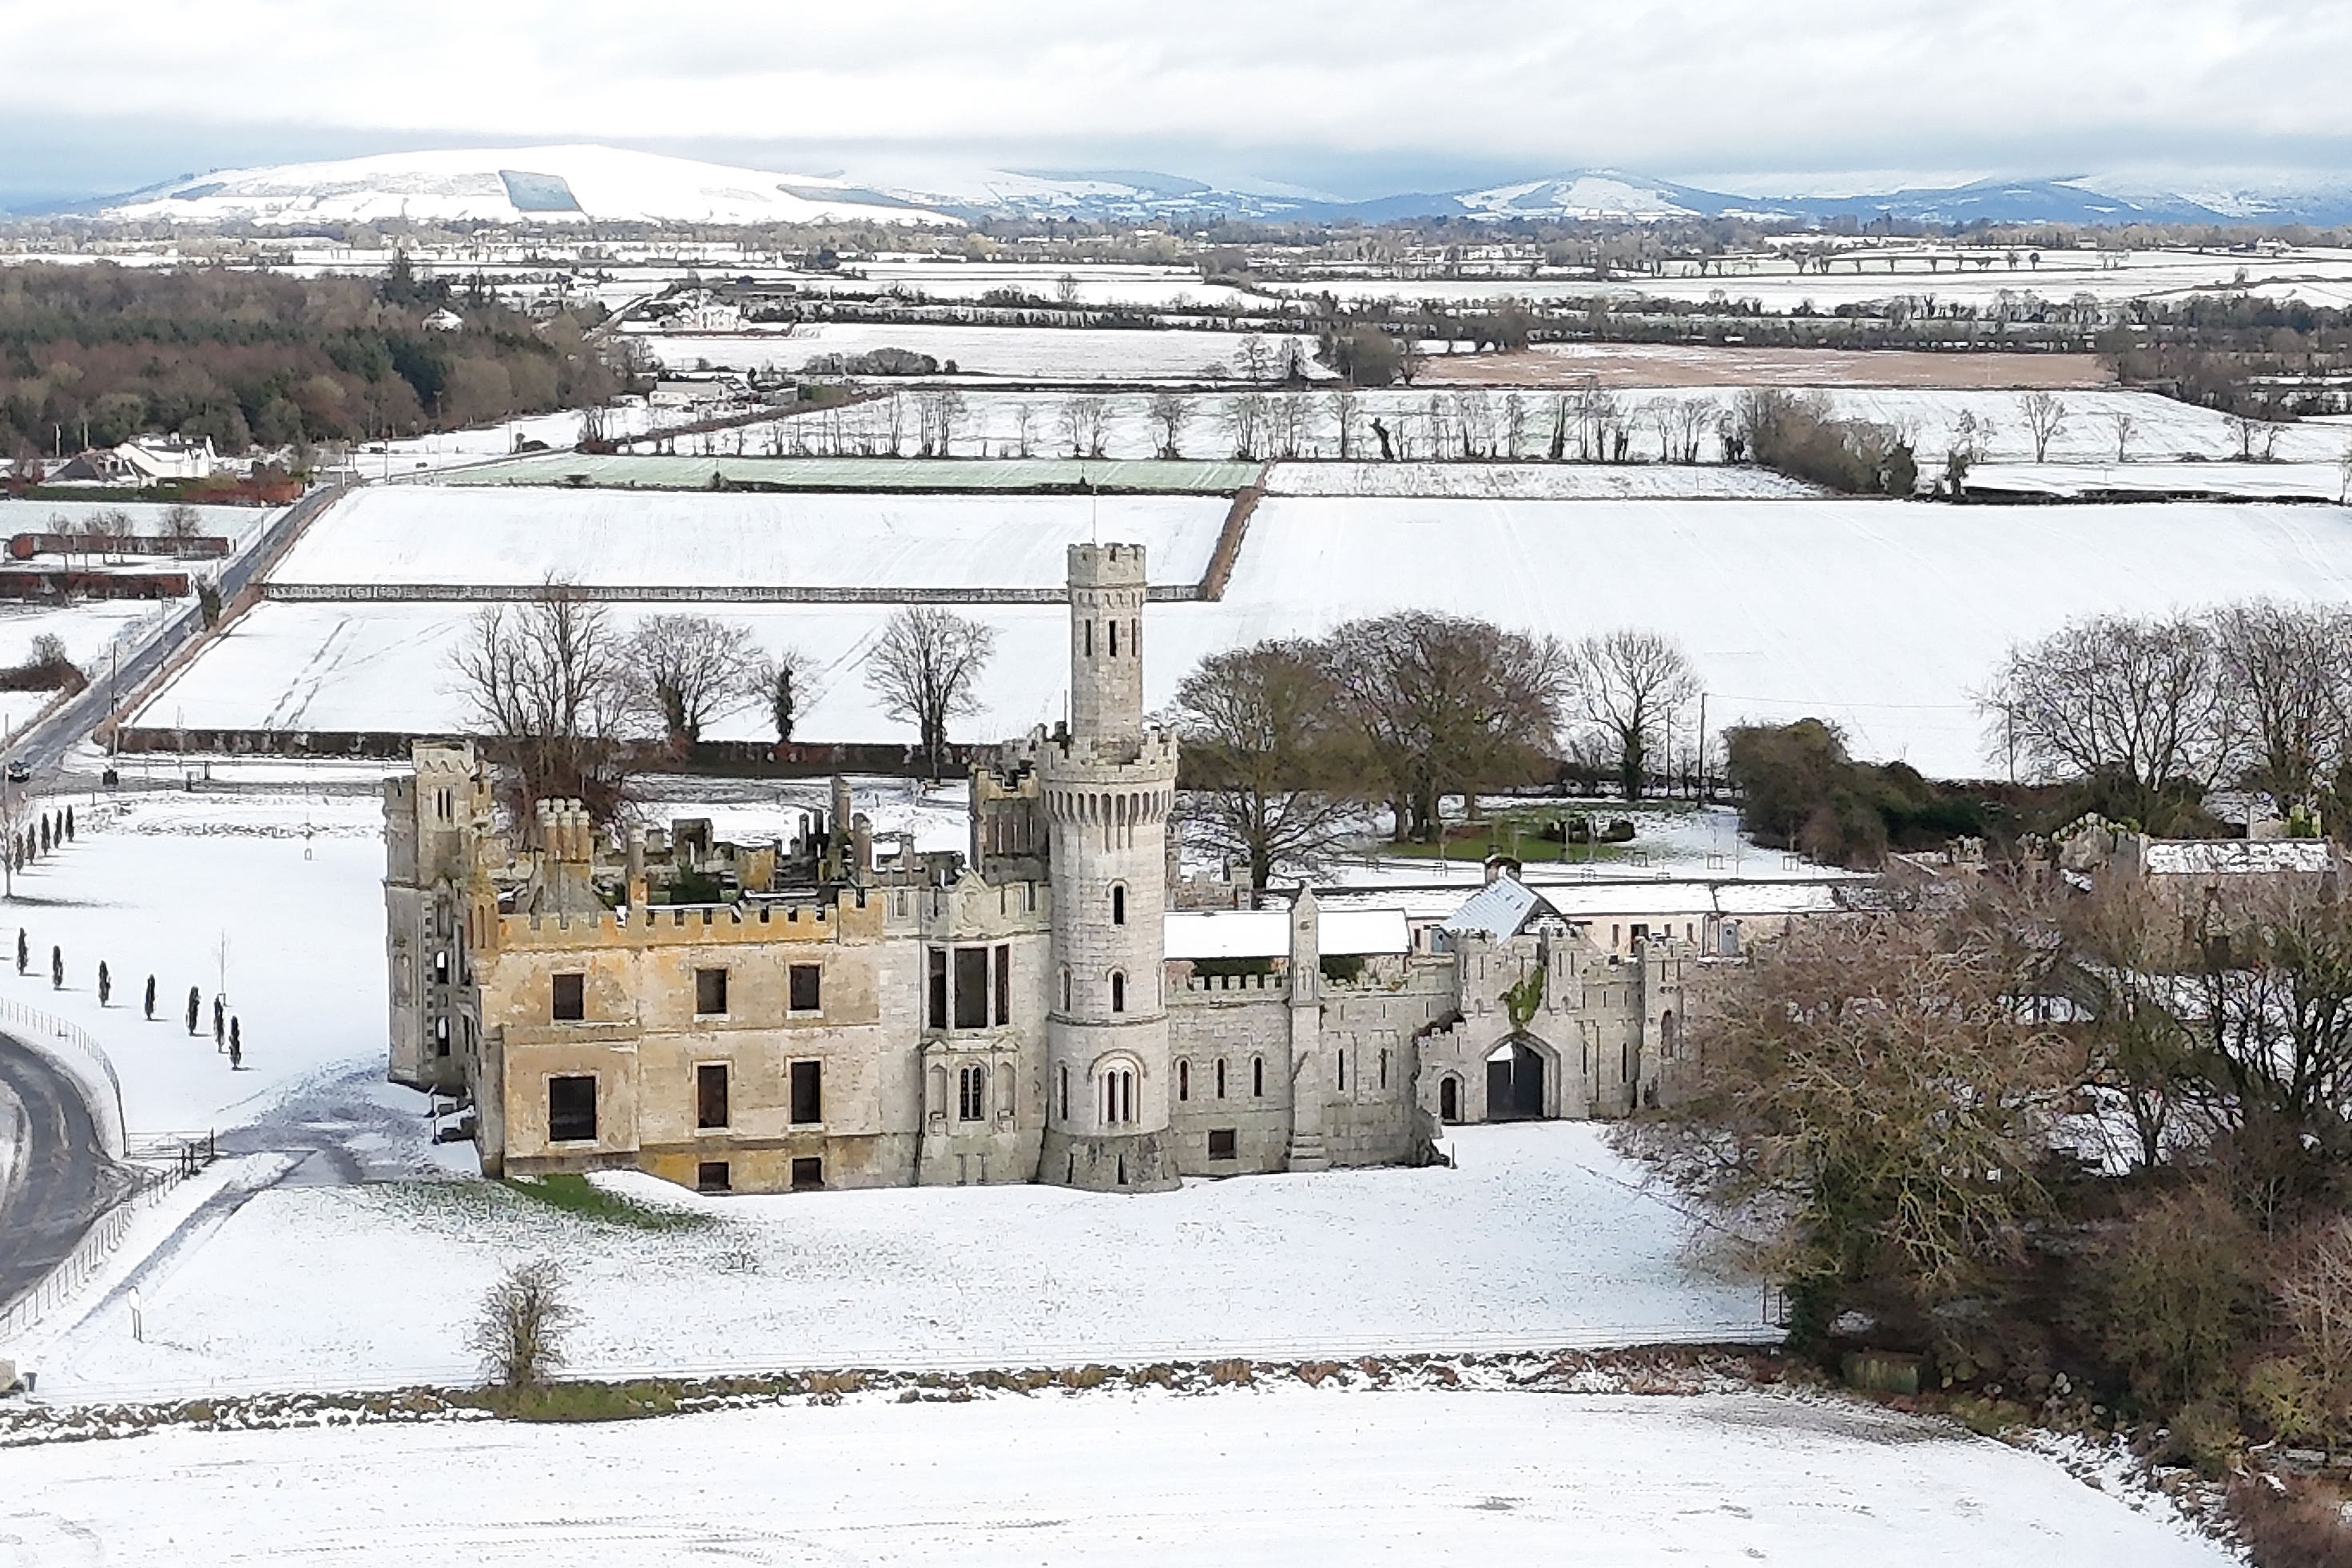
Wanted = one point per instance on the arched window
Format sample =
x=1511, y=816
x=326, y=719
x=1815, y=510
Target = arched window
x=1384, y=1069
x=1221, y=1078
x=441, y=966
x=1119, y=904
x=1066, y=1093
x=1117, y=992
x=1119, y=1096
x=971, y=1094
x=1449, y=1099
x=1184, y=1081
x=1668, y=1028
x=1258, y=1076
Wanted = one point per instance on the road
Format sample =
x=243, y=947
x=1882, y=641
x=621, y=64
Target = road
x=66, y=1182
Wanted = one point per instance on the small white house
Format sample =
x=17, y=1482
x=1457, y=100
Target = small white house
x=445, y=321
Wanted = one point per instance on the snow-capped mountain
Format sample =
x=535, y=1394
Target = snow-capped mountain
x=513, y=185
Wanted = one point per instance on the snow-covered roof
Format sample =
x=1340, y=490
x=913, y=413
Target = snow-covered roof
x=2238, y=857
x=1500, y=909
x=1266, y=933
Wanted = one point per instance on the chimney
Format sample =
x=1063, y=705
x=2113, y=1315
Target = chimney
x=637, y=897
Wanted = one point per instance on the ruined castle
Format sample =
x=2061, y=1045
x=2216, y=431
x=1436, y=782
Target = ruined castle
x=815, y=1012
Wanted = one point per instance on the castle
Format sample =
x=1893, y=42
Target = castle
x=817, y=1013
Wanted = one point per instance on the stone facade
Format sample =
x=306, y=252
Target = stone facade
x=839, y=1016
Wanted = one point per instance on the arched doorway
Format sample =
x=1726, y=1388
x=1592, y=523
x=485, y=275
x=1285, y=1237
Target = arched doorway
x=1449, y=1098
x=1514, y=1081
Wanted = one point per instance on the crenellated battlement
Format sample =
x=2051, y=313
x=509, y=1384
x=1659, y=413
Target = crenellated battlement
x=1105, y=566
x=854, y=916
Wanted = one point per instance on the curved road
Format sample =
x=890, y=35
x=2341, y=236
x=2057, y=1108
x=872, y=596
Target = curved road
x=65, y=1180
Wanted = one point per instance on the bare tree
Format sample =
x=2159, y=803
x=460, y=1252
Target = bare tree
x=1171, y=412
x=1025, y=420
x=2124, y=426
x=2344, y=477
x=686, y=671
x=1347, y=417
x=1084, y=424
x=1268, y=759
x=1244, y=418
x=783, y=683
x=2133, y=701
x=547, y=682
x=519, y=1330
x=1629, y=685
x=1253, y=357
x=925, y=668
x=2285, y=675
x=1446, y=703
x=182, y=523
x=2046, y=421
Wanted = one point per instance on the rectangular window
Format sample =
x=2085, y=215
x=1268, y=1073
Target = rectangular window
x=808, y=1093
x=1220, y=1143
x=712, y=1175
x=711, y=993
x=572, y=1110
x=937, y=1012
x=1003, y=986
x=711, y=1095
x=808, y=1174
x=570, y=1003
x=808, y=986
x=971, y=988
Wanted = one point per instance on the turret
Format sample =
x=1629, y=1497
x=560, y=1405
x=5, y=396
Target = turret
x=1107, y=788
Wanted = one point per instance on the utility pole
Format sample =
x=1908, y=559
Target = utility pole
x=1702, y=749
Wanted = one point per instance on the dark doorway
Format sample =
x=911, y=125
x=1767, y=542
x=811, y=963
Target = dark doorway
x=1515, y=1083
x=1449, y=1099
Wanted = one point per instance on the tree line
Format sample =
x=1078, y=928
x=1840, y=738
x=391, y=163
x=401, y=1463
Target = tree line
x=95, y=355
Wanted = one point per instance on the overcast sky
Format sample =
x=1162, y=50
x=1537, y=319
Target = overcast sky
x=1353, y=97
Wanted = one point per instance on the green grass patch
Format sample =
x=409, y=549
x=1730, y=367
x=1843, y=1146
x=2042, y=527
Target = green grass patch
x=580, y=1401
x=576, y=1195
x=1520, y=837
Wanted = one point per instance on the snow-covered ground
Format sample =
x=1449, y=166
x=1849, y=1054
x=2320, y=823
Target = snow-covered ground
x=2256, y=481
x=455, y=448
x=280, y=893
x=1883, y=616
x=1262, y=1478
x=37, y=517
x=1029, y=353
x=515, y=535
x=1543, y=1238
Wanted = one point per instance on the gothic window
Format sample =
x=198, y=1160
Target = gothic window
x=1667, y=1029
x=1066, y=1093
x=1184, y=1081
x=1258, y=1076
x=971, y=1094
x=1119, y=904
x=1119, y=1097
x=1117, y=992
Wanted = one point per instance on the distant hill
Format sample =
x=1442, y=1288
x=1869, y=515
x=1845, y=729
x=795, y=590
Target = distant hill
x=512, y=185
x=583, y=183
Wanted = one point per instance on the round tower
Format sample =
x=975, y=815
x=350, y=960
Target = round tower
x=1108, y=786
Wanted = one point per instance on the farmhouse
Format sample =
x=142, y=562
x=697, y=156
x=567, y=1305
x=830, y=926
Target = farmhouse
x=822, y=1012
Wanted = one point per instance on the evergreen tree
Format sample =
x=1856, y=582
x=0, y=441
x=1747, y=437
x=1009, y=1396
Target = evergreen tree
x=23, y=951
x=105, y=984
x=68, y=825
x=236, y=1047
x=150, y=999
x=220, y=1022
x=195, y=1003
x=56, y=969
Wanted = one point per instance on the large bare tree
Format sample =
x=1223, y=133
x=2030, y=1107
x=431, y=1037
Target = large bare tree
x=686, y=671
x=1447, y=704
x=2046, y=421
x=1268, y=760
x=2285, y=679
x=2113, y=697
x=925, y=669
x=547, y=682
x=1629, y=685
x=1171, y=412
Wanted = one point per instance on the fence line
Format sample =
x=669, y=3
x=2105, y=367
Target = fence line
x=97, y=1245
x=82, y=1058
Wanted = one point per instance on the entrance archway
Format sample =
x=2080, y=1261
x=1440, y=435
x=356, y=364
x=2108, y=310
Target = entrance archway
x=1514, y=1081
x=1449, y=1098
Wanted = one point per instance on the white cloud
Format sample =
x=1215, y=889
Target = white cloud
x=1538, y=83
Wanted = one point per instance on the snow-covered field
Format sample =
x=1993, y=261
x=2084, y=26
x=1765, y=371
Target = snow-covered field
x=1543, y=1238
x=455, y=448
x=2061, y=277
x=1882, y=616
x=2255, y=481
x=31, y=517
x=1536, y=481
x=88, y=628
x=1029, y=353
x=1430, y=422
x=668, y=539
x=1263, y=1478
